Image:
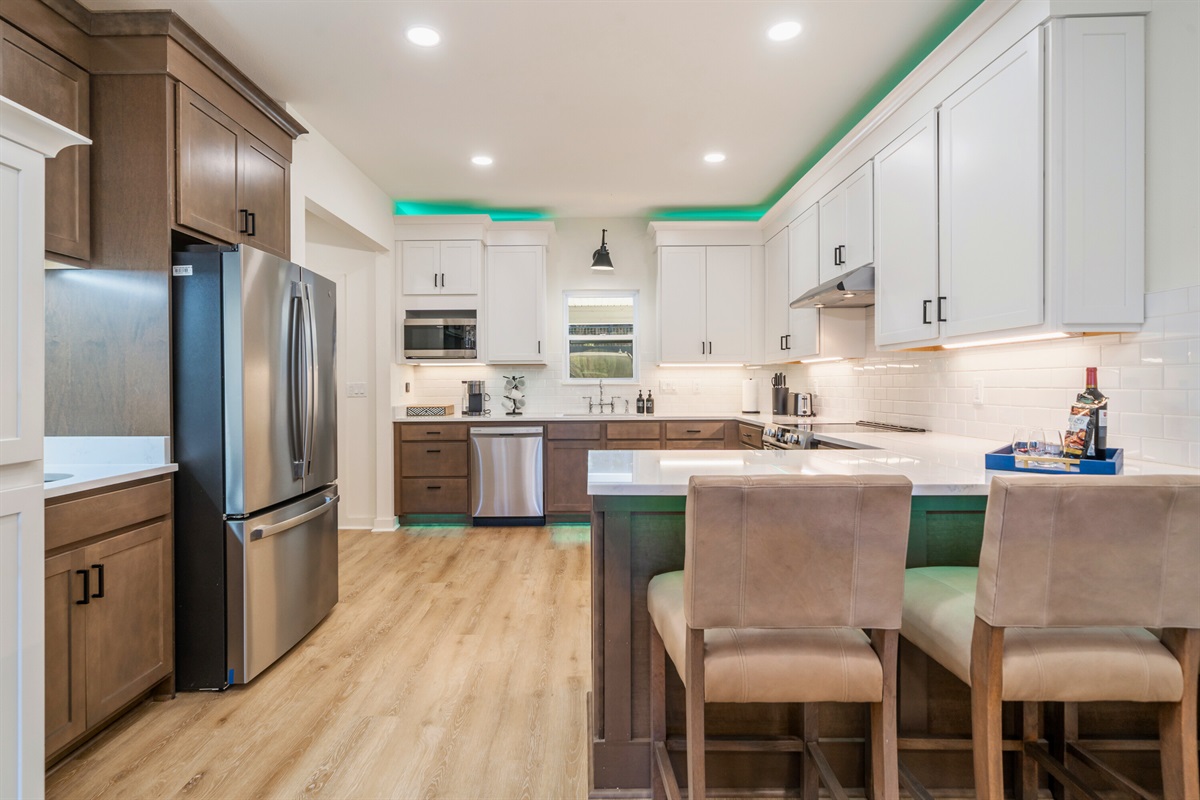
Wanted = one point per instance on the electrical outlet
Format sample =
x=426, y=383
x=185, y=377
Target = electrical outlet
x=977, y=391
x=407, y=387
x=666, y=387
x=355, y=389
x=695, y=387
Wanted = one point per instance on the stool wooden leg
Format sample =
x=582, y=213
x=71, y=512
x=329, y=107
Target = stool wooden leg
x=987, y=652
x=1030, y=732
x=884, y=774
x=811, y=786
x=658, y=709
x=1064, y=729
x=1177, y=721
x=695, y=713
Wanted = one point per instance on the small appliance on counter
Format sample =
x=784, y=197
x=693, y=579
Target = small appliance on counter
x=749, y=396
x=474, y=398
x=801, y=404
x=780, y=399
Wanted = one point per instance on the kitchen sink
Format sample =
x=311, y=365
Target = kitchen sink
x=51, y=477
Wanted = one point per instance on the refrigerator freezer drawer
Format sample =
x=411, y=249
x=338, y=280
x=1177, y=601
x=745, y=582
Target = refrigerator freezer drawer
x=282, y=580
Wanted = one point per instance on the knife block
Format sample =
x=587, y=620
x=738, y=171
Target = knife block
x=779, y=400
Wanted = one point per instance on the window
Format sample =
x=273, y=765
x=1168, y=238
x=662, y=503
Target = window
x=601, y=331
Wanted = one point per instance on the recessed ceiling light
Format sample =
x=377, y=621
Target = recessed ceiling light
x=848, y=294
x=481, y=161
x=784, y=31
x=715, y=158
x=423, y=36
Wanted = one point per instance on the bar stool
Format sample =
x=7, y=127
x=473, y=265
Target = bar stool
x=781, y=575
x=1072, y=572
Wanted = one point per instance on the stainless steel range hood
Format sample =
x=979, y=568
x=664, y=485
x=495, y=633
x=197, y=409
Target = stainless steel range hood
x=854, y=289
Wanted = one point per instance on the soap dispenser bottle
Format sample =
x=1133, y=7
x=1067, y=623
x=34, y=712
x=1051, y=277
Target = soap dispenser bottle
x=649, y=402
x=641, y=403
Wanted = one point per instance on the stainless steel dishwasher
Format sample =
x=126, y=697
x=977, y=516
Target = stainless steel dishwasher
x=507, y=482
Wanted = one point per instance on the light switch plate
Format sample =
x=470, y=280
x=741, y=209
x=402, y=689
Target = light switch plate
x=356, y=389
x=977, y=391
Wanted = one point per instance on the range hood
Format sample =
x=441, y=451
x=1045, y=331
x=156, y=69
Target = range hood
x=858, y=283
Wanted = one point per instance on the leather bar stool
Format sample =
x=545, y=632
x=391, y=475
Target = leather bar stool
x=781, y=576
x=1072, y=572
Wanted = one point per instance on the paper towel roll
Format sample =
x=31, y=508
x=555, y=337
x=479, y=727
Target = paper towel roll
x=749, y=396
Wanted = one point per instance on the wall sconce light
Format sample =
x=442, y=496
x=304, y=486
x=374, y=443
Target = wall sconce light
x=601, y=262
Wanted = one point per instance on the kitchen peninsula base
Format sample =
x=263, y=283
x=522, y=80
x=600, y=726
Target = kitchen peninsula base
x=637, y=537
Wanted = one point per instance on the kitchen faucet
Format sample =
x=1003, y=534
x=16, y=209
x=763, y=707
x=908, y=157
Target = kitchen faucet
x=612, y=408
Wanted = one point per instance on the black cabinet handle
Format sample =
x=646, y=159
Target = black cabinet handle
x=433, y=433
x=87, y=586
x=941, y=316
x=443, y=280
x=701, y=348
x=692, y=431
x=435, y=280
x=253, y=223
x=433, y=451
x=99, y=580
x=710, y=348
x=245, y=220
x=539, y=347
x=781, y=347
x=431, y=488
x=789, y=342
x=925, y=320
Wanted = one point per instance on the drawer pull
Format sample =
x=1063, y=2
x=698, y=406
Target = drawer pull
x=433, y=433
x=433, y=451
x=431, y=488
x=692, y=431
x=99, y=580
x=87, y=587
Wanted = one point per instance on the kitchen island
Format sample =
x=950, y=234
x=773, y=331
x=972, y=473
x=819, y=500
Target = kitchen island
x=638, y=502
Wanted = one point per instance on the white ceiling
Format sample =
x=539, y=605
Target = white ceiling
x=589, y=107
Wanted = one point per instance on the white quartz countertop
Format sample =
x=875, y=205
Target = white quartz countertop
x=755, y=419
x=93, y=462
x=936, y=463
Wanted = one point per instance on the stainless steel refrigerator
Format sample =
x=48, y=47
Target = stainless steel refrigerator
x=254, y=431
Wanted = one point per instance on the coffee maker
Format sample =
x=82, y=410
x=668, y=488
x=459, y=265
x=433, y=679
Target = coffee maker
x=474, y=398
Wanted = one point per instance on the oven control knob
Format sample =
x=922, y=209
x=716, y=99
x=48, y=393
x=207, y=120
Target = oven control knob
x=769, y=433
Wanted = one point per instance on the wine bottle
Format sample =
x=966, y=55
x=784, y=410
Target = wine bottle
x=1098, y=444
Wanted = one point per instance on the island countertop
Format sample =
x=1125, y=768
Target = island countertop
x=936, y=463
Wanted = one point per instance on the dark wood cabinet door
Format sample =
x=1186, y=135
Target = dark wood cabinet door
x=265, y=196
x=66, y=709
x=130, y=641
x=435, y=495
x=206, y=192
x=566, y=476
x=40, y=79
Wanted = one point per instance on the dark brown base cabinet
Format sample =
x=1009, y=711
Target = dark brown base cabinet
x=431, y=468
x=109, y=606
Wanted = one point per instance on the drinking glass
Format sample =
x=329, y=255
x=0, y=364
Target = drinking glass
x=1053, y=443
x=1035, y=441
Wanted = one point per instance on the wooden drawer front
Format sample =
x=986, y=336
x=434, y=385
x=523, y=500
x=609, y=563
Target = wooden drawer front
x=435, y=495
x=417, y=432
x=573, y=430
x=696, y=430
x=76, y=520
x=632, y=444
x=695, y=444
x=634, y=430
x=750, y=435
x=434, y=458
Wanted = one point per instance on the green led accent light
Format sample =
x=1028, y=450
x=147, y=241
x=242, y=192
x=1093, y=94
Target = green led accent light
x=954, y=16
x=419, y=208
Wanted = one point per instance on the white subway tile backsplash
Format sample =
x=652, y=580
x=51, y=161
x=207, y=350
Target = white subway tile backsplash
x=1166, y=451
x=1141, y=377
x=1166, y=401
x=1171, y=301
x=1184, y=428
x=1182, y=377
x=1182, y=326
x=1174, y=351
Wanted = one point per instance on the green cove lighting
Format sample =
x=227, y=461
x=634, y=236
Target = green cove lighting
x=421, y=208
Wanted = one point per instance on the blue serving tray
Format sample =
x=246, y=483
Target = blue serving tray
x=1003, y=459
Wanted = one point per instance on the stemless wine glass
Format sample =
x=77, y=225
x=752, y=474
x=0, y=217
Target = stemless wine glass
x=1053, y=443
x=1035, y=441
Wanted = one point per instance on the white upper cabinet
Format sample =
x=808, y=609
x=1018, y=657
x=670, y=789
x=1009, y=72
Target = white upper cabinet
x=906, y=240
x=991, y=275
x=704, y=298
x=847, y=228
x=804, y=331
x=515, y=321
x=446, y=267
x=777, y=327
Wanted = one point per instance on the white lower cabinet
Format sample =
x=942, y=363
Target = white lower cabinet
x=515, y=305
x=704, y=298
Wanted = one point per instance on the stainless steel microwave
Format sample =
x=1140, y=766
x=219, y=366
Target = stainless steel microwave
x=440, y=337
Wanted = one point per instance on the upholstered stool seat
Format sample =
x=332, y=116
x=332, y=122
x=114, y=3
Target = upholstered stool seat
x=765, y=665
x=790, y=593
x=1063, y=665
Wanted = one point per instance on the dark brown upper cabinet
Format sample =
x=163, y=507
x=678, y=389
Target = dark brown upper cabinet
x=231, y=186
x=44, y=81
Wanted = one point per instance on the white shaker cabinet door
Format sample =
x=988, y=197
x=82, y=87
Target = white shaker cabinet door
x=461, y=263
x=992, y=276
x=420, y=267
x=804, y=324
x=832, y=217
x=906, y=262
x=516, y=306
x=682, y=337
x=775, y=254
x=860, y=220
x=727, y=302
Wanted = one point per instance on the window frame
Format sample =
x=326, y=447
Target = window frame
x=568, y=295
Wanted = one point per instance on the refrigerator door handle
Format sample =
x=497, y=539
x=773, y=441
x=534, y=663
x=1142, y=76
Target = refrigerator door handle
x=297, y=381
x=311, y=371
x=263, y=531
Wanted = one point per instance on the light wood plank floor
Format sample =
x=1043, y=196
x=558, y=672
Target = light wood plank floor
x=455, y=665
